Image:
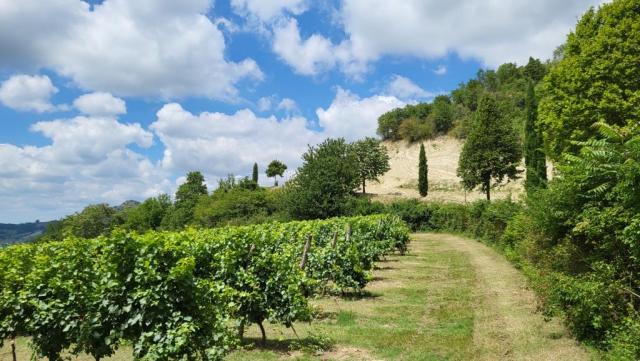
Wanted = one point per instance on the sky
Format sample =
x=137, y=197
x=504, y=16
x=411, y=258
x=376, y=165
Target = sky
x=106, y=101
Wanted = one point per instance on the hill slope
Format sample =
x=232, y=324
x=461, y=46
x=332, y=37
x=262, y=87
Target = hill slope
x=444, y=185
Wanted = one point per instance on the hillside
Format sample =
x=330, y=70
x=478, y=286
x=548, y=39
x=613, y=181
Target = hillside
x=13, y=233
x=442, y=158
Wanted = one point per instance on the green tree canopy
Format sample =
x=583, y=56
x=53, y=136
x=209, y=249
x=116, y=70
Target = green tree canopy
x=274, y=169
x=187, y=196
x=325, y=181
x=149, y=214
x=491, y=151
x=597, y=79
x=93, y=221
x=372, y=160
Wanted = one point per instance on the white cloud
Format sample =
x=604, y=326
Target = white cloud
x=218, y=143
x=28, y=93
x=264, y=104
x=288, y=105
x=352, y=117
x=266, y=10
x=307, y=57
x=88, y=161
x=440, y=70
x=405, y=89
x=492, y=32
x=100, y=104
x=129, y=48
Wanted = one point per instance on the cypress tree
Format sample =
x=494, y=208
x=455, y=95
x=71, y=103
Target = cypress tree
x=254, y=176
x=534, y=157
x=423, y=173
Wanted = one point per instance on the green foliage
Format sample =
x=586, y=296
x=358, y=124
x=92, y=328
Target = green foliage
x=254, y=174
x=93, y=221
x=372, y=160
x=534, y=156
x=443, y=112
x=415, y=129
x=597, y=78
x=190, y=191
x=274, y=169
x=389, y=124
x=423, y=173
x=324, y=182
x=148, y=215
x=171, y=296
x=234, y=207
x=491, y=151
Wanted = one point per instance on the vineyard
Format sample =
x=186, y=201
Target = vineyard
x=183, y=295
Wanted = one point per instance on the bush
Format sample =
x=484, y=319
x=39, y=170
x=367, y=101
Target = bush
x=414, y=129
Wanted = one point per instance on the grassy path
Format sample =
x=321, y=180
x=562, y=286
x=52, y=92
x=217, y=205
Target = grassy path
x=450, y=298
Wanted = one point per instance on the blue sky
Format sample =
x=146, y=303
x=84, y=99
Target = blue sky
x=114, y=100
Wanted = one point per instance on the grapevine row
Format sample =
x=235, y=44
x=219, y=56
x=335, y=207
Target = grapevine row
x=182, y=295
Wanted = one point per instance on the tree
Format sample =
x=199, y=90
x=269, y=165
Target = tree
x=324, y=183
x=148, y=215
x=596, y=79
x=93, y=221
x=492, y=150
x=372, y=158
x=442, y=111
x=254, y=176
x=274, y=169
x=187, y=197
x=423, y=173
x=534, y=156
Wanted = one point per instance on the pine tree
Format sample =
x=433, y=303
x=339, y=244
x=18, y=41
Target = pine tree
x=534, y=156
x=423, y=173
x=492, y=149
x=254, y=176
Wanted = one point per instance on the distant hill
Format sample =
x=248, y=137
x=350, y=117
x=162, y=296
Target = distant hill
x=15, y=233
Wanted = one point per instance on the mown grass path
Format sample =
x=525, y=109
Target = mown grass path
x=449, y=298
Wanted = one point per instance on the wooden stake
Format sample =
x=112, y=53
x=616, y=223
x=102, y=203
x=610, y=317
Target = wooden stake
x=347, y=236
x=335, y=239
x=305, y=251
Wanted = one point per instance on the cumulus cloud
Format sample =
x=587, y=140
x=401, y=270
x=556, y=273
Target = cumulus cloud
x=264, y=104
x=218, y=143
x=100, y=104
x=28, y=93
x=87, y=161
x=288, y=105
x=266, y=10
x=307, y=57
x=491, y=32
x=405, y=89
x=352, y=117
x=129, y=48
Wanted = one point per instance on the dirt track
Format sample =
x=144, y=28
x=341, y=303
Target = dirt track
x=506, y=324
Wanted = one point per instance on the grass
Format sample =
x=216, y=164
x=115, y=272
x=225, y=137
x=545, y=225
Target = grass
x=418, y=307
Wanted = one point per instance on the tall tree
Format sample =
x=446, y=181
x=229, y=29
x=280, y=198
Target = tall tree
x=491, y=151
x=423, y=173
x=274, y=169
x=325, y=181
x=534, y=156
x=372, y=159
x=187, y=196
x=596, y=79
x=254, y=176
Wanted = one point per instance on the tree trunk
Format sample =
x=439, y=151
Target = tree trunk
x=363, y=186
x=264, y=334
x=13, y=349
x=488, y=186
x=241, y=330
